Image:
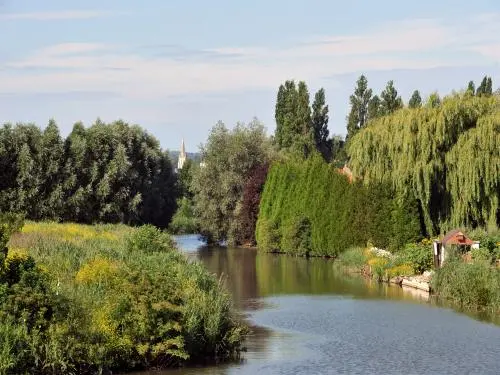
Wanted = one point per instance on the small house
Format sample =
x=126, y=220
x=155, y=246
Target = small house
x=454, y=237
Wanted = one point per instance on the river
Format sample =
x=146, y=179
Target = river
x=308, y=317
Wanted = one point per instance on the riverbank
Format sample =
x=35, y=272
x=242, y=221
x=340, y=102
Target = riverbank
x=473, y=284
x=109, y=298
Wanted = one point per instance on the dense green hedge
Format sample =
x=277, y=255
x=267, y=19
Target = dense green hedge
x=309, y=208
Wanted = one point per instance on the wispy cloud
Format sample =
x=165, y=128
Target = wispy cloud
x=174, y=70
x=56, y=15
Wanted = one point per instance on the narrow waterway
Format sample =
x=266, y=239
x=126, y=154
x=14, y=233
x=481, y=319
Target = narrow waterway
x=308, y=317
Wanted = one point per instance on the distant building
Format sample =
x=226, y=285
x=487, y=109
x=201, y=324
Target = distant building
x=454, y=237
x=182, y=156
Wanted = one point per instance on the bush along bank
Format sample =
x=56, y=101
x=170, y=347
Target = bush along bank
x=78, y=299
x=470, y=280
x=474, y=283
x=308, y=208
x=410, y=266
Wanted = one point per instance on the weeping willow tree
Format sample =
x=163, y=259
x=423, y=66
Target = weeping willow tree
x=438, y=153
x=474, y=175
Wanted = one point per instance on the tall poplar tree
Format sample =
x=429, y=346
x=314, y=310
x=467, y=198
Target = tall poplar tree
x=358, y=115
x=374, y=108
x=293, y=118
x=320, y=124
x=51, y=163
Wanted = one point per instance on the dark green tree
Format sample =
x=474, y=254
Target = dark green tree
x=358, y=115
x=374, y=108
x=471, y=88
x=390, y=102
x=485, y=88
x=51, y=178
x=415, y=100
x=320, y=124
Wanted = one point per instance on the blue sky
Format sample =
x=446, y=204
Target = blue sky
x=177, y=67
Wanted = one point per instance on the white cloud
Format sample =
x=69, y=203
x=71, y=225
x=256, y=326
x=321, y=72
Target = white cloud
x=407, y=44
x=56, y=15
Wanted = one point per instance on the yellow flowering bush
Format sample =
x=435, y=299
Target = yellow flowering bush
x=99, y=270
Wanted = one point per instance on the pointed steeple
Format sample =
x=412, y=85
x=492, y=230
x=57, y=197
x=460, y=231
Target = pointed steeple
x=182, y=156
x=183, y=147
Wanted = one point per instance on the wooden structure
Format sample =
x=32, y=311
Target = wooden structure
x=454, y=237
x=346, y=171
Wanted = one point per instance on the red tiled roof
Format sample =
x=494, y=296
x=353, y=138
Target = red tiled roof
x=456, y=237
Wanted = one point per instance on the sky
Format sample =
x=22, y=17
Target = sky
x=177, y=67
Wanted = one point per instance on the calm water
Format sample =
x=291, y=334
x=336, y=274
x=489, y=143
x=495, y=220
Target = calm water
x=308, y=318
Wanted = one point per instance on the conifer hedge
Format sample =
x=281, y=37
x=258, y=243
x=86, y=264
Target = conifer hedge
x=309, y=208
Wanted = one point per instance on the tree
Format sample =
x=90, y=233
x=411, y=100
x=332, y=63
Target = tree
x=391, y=102
x=434, y=100
x=320, y=124
x=374, y=108
x=471, y=88
x=415, y=100
x=486, y=87
x=423, y=153
x=249, y=209
x=108, y=172
x=229, y=156
x=359, y=101
x=51, y=178
x=293, y=116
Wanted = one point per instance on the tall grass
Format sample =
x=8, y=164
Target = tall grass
x=130, y=300
x=472, y=285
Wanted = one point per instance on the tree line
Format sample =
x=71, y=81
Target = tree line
x=104, y=173
x=436, y=155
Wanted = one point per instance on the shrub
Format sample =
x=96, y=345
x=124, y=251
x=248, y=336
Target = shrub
x=481, y=254
x=184, y=221
x=419, y=256
x=109, y=303
x=270, y=238
x=469, y=284
x=149, y=239
x=297, y=237
x=353, y=257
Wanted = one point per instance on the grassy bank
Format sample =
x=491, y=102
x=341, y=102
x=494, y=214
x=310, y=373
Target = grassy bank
x=81, y=299
x=470, y=281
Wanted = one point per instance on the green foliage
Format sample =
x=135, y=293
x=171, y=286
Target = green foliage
x=149, y=239
x=418, y=255
x=481, y=254
x=229, y=157
x=106, y=173
x=297, y=237
x=184, y=220
x=106, y=299
x=326, y=213
x=319, y=120
x=415, y=100
x=475, y=285
x=485, y=88
x=390, y=101
x=269, y=237
x=294, y=130
x=359, y=101
x=374, y=108
x=446, y=156
x=354, y=257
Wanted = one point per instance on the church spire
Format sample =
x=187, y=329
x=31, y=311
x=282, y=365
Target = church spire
x=182, y=156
